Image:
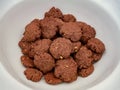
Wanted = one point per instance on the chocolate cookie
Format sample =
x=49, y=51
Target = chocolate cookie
x=61, y=48
x=66, y=70
x=33, y=74
x=51, y=79
x=71, y=30
x=44, y=61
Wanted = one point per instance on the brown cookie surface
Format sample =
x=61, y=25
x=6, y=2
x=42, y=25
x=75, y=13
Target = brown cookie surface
x=25, y=46
x=96, y=57
x=51, y=79
x=32, y=32
x=88, y=32
x=69, y=18
x=61, y=48
x=54, y=12
x=76, y=46
x=44, y=61
x=86, y=71
x=42, y=46
x=96, y=45
x=71, y=30
x=33, y=74
x=66, y=70
x=84, y=57
x=27, y=62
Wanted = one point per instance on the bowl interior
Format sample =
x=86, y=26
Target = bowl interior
x=12, y=27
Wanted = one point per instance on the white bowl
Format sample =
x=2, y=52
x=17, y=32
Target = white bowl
x=13, y=23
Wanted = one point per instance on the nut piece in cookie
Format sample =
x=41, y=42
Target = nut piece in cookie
x=76, y=46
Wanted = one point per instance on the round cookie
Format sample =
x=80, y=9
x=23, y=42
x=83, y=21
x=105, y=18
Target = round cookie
x=32, y=32
x=44, y=61
x=66, y=70
x=86, y=71
x=27, y=62
x=39, y=46
x=50, y=26
x=88, y=32
x=25, y=47
x=84, y=57
x=71, y=30
x=51, y=79
x=61, y=48
x=96, y=45
x=33, y=74
x=54, y=12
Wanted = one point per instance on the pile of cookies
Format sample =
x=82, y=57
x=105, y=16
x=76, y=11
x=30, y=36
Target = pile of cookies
x=59, y=48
